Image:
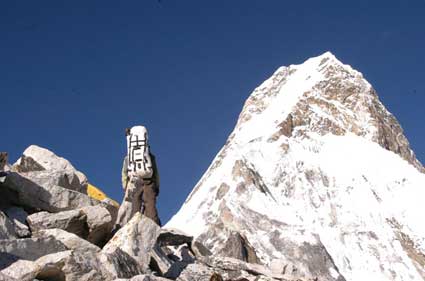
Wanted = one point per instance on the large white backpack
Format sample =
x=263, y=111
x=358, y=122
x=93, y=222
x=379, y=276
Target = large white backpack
x=139, y=160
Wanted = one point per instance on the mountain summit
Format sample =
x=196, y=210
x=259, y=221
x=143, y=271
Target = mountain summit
x=317, y=181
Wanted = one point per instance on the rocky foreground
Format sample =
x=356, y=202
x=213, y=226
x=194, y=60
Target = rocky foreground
x=50, y=229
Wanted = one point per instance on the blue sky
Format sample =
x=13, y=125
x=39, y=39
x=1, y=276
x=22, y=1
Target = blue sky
x=74, y=74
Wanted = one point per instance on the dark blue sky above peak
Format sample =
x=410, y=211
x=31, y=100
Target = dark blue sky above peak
x=74, y=74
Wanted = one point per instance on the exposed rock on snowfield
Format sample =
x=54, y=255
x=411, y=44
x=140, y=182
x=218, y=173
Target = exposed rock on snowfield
x=309, y=180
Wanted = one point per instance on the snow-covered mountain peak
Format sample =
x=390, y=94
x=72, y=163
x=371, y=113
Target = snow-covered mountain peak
x=321, y=95
x=316, y=180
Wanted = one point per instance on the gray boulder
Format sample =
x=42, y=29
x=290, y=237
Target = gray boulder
x=7, y=228
x=18, y=216
x=22, y=270
x=23, y=192
x=63, y=178
x=31, y=248
x=169, y=266
x=6, y=278
x=144, y=277
x=77, y=265
x=44, y=167
x=50, y=266
x=73, y=221
x=7, y=259
x=119, y=264
x=196, y=272
x=93, y=223
x=172, y=253
x=199, y=250
x=237, y=246
x=3, y=164
x=100, y=223
x=86, y=265
x=222, y=268
x=41, y=159
x=137, y=238
x=70, y=240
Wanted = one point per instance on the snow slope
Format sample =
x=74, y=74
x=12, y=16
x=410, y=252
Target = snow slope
x=318, y=180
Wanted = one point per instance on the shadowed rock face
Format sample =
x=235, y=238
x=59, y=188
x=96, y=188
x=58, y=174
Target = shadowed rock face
x=238, y=246
x=31, y=248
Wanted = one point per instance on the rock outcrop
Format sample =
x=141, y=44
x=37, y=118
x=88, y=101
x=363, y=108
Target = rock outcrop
x=136, y=238
x=44, y=167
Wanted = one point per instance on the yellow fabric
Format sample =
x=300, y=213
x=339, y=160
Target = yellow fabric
x=98, y=194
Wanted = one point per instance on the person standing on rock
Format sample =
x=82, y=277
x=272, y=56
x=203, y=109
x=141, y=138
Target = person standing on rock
x=140, y=178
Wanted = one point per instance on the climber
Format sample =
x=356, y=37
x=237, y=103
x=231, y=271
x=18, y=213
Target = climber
x=140, y=178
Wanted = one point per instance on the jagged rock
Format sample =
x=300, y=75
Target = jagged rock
x=235, y=269
x=92, y=223
x=173, y=237
x=7, y=228
x=6, y=278
x=159, y=262
x=63, y=178
x=86, y=265
x=70, y=240
x=307, y=260
x=18, y=216
x=196, y=272
x=100, y=223
x=73, y=221
x=119, y=264
x=144, y=277
x=3, y=164
x=22, y=270
x=136, y=238
x=44, y=167
x=171, y=253
x=50, y=266
x=31, y=248
x=36, y=158
x=23, y=192
x=3, y=160
x=237, y=246
x=169, y=265
x=181, y=253
x=199, y=249
x=7, y=259
x=77, y=265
